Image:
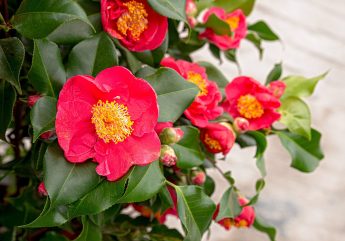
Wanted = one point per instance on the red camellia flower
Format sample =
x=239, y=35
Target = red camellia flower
x=251, y=100
x=134, y=23
x=218, y=137
x=110, y=118
x=205, y=106
x=238, y=26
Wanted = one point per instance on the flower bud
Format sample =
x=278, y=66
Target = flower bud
x=42, y=189
x=277, y=88
x=168, y=156
x=247, y=217
x=170, y=135
x=241, y=124
x=198, y=178
x=32, y=99
x=191, y=8
x=160, y=126
x=47, y=135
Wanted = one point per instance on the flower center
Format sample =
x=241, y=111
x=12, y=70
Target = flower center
x=134, y=20
x=241, y=224
x=233, y=22
x=249, y=107
x=112, y=121
x=197, y=79
x=212, y=143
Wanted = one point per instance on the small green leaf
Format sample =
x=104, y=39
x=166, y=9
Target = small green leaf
x=275, y=73
x=219, y=26
x=188, y=150
x=230, y=6
x=90, y=232
x=209, y=186
x=12, y=54
x=262, y=227
x=195, y=210
x=261, y=145
x=175, y=94
x=229, y=206
x=264, y=31
x=47, y=73
x=256, y=40
x=295, y=115
x=175, y=9
x=92, y=56
x=300, y=86
x=8, y=97
x=305, y=154
x=43, y=115
x=259, y=186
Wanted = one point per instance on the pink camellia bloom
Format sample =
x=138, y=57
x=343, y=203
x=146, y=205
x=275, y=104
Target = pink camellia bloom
x=247, y=217
x=249, y=99
x=205, y=105
x=191, y=11
x=111, y=119
x=277, y=88
x=32, y=99
x=134, y=23
x=218, y=138
x=42, y=189
x=238, y=26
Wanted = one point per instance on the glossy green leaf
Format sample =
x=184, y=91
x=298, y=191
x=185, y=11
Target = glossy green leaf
x=195, y=210
x=67, y=182
x=300, y=86
x=256, y=40
x=209, y=186
x=47, y=73
x=53, y=236
x=264, y=31
x=43, y=116
x=8, y=97
x=175, y=9
x=92, y=56
x=230, y=6
x=90, y=232
x=261, y=145
x=259, y=186
x=12, y=54
x=175, y=94
x=306, y=154
x=32, y=13
x=262, y=227
x=188, y=150
x=296, y=116
x=219, y=26
x=275, y=73
x=229, y=206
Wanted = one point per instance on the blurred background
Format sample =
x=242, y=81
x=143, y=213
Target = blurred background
x=303, y=207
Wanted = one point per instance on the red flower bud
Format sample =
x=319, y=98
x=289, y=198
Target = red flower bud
x=170, y=135
x=42, y=189
x=277, y=88
x=32, y=99
x=241, y=124
x=198, y=178
x=191, y=8
x=47, y=135
x=247, y=217
x=168, y=156
x=160, y=126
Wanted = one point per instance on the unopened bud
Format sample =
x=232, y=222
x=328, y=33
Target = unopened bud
x=191, y=8
x=241, y=124
x=198, y=178
x=42, y=189
x=32, y=99
x=170, y=135
x=47, y=135
x=168, y=156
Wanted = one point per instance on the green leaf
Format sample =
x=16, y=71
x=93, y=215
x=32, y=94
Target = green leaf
x=90, y=231
x=40, y=18
x=255, y=39
x=275, y=73
x=262, y=227
x=8, y=97
x=300, y=86
x=296, y=116
x=264, y=31
x=175, y=9
x=229, y=206
x=12, y=54
x=229, y=6
x=67, y=182
x=219, y=26
x=91, y=56
x=53, y=236
x=261, y=145
x=259, y=186
x=188, y=150
x=305, y=154
x=195, y=210
x=174, y=93
x=214, y=74
x=43, y=115
x=47, y=73
x=209, y=186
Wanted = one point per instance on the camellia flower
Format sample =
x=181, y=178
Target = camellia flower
x=110, y=118
x=218, y=137
x=237, y=23
x=134, y=23
x=251, y=100
x=205, y=106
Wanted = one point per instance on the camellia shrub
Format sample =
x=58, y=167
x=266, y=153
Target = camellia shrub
x=108, y=125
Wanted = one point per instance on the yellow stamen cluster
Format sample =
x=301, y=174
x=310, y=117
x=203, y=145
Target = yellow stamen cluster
x=249, y=107
x=212, y=143
x=233, y=22
x=241, y=224
x=112, y=121
x=134, y=20
x=197, y=79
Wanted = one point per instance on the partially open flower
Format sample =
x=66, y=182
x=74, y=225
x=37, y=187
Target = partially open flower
x=110, y=118
x=247, y=217
x=134, y=23
x=205, y=106
x=168, y=156
x=241, y=124
x=277, y=88
x=171, y=135
x=237, y=24
x=249, y=99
